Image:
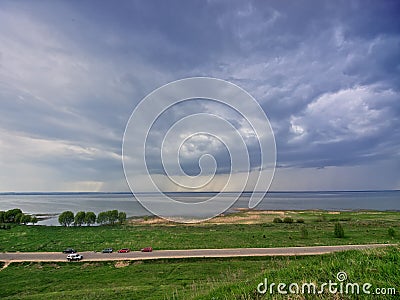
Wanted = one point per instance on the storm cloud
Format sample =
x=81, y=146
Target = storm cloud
x=327, y=75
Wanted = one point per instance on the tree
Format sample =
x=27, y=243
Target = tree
x=25, y=219
x=80, y=218
x=66, y=218
x=112, y=216
x=2, y=216
x=102, y=218
x=34, y=220
x=339, y=232
x=90, y=218
x=9, y=216
x=121, y=217
x=18, y=218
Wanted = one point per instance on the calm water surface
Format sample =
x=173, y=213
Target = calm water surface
x=54, y=203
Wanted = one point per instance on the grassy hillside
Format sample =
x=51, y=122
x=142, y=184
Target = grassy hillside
x=244, y=229
x=198, y=278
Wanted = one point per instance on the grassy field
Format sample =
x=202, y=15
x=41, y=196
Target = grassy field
x=243, y=229
x=233, y=278
x=200, y=278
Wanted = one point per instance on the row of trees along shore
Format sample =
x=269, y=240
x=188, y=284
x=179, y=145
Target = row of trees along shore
x=67, y=218
x=16, y=216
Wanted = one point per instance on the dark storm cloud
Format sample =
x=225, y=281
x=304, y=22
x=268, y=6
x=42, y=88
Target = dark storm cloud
x=303, y=54
x=327, y=74
x=193, y=148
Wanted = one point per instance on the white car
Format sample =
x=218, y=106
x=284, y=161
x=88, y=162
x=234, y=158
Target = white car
x=74, y=256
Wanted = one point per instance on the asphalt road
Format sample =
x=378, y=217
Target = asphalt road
x=9, y=257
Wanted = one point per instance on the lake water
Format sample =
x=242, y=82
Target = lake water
x=54, y=203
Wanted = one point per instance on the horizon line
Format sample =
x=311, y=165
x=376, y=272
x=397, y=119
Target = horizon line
x=189, y=192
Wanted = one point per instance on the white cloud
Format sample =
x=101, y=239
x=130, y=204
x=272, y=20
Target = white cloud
x=348, y=114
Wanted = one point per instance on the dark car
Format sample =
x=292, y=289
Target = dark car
x=124, y=250
x=69, y=250
x=107, y=250
x=147, y=249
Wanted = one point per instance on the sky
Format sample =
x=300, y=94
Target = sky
x=326, y=74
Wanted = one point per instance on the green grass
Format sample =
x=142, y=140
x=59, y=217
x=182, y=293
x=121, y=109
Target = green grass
x=234, y=278
x=359, y=227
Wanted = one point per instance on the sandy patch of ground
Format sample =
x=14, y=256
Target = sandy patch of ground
x=245, y=216
x=121, y=264
x=86, y=265
x=151, y=221
x=248, y=217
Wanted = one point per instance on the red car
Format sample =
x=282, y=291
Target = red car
x=147, y=249
x=124, y=250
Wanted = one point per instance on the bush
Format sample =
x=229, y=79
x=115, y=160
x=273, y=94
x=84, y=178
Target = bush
x=321, y=219
x=339, y=232
x=300, y=220
x=288, y=220
x=277, y=220
x=304, y=232
x=391, y=232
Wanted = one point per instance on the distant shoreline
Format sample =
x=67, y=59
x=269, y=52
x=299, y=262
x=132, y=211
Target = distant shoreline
x=210, y=192
x=151, y=218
